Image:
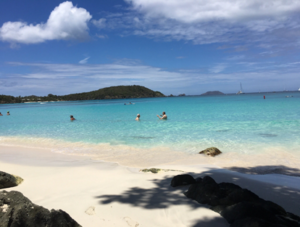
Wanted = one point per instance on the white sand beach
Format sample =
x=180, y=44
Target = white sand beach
x=97, y=193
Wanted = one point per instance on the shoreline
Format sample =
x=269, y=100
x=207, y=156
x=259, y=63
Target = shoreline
x=275, y=160
x=124, y=196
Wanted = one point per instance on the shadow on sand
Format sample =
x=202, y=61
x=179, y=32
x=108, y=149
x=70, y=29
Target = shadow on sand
x=162, y=195
x=284, y=170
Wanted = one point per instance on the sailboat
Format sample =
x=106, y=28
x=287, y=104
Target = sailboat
x=299, y=89
x=241, y=90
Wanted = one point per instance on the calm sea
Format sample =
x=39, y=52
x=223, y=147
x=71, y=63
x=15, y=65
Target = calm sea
x=245, y=124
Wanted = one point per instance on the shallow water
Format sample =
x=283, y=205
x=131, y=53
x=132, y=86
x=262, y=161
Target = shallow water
x=236, y=124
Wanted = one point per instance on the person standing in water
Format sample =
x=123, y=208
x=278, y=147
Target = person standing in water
x=72, y=118
x=137, y=117
x=163, y=116
x=8, y=113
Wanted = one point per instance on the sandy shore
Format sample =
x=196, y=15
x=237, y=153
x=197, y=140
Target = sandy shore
x=99, y=193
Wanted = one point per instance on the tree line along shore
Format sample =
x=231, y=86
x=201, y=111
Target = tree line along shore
x=116, y=92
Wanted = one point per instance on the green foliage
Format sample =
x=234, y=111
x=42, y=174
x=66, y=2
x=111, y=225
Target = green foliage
x=10, y=99
x=117, y=92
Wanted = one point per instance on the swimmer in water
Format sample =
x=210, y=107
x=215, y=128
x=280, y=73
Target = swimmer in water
x=8, y=113
x=163, y=116
x=137, y=117
x=72, y=118
x=1, y=114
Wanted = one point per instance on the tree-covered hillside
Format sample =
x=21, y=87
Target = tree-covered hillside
x=117, y=92
x=9, y=99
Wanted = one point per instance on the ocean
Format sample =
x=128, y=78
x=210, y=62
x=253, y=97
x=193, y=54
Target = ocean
x=241, y=126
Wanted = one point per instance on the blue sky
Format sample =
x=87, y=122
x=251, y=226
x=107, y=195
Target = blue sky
x=172, y=46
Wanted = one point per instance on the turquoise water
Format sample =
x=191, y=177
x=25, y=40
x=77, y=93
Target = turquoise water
x=235, y=123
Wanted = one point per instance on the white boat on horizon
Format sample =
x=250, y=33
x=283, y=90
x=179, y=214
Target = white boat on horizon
x=299, y=89
x=241, y=90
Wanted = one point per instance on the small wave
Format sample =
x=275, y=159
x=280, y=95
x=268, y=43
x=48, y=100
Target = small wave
x=223, y=130
x=143, y=137
x=267, y=135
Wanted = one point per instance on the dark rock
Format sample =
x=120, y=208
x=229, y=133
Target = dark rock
x=208, y=180
x=254, y=222
x=288, y=221
x=203, y=192
x=152, y=170
x=183, y=179
x=236, y=196
x=257, y=209
x=198, y=180
x=218, y=208
x=8, y=180
x=293, y=216
x=240, y=207
x=192, y=191
x=18, y=211
x=273, y=207
x=228, y=187
x=244, y=210
x=212, y=151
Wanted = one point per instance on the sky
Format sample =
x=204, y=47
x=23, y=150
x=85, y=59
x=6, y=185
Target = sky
x=171, y=46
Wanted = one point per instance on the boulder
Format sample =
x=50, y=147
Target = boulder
x=203, y=192
x=236, y=196
x=257, y=210
x=8, y=180
x=240, y=207
x=254, y=222
x=244, y=210
x=293, y=216
x=212, y=151
x=17, y=211
x=183, y=179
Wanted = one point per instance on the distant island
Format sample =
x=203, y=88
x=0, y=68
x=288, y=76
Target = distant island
x=116, y=92
x=213, y=93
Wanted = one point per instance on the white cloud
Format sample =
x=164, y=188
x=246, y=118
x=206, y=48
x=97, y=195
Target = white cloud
x=203, y=22
x=73, y=78
x=235, y=58
x=194, y=11
x=65, y=22
x=102, y=36
x=218, y=68
x=84, y=61
x=99, y=23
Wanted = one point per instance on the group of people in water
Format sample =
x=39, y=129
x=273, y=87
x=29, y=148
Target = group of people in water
x=161, y=117
x=6, y=113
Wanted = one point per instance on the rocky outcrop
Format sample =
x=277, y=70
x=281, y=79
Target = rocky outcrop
x=152, y=170
x=155, y=170
x=8, y=180
x=212, y=151
x=240, y=207
x=17, y=211
x=183, y=179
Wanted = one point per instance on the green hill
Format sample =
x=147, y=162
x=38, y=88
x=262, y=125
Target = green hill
x=9, y=99
x=117, y=92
